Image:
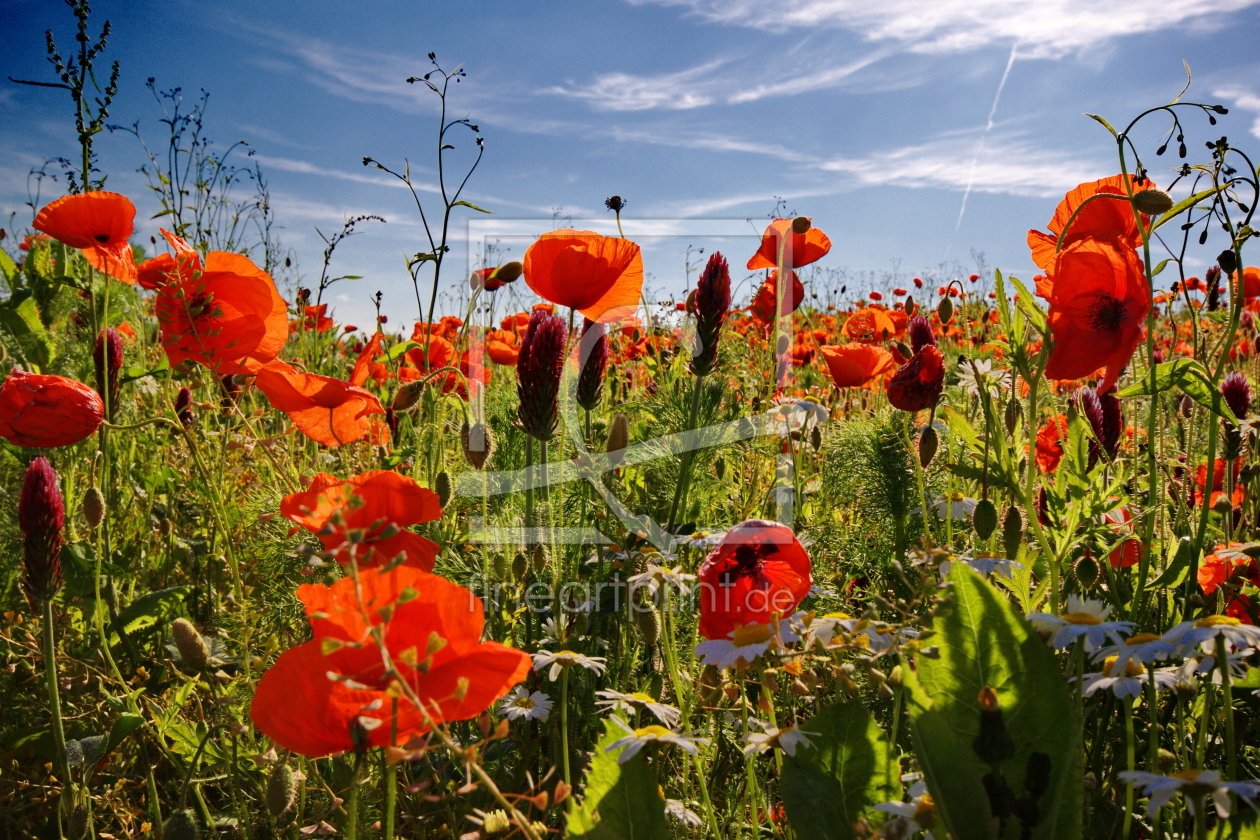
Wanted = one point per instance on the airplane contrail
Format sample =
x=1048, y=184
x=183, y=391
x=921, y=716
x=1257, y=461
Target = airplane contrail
x=971, y=177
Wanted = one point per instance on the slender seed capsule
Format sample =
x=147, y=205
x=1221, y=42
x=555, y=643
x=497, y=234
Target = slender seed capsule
x=94, y=507
x=442, y=486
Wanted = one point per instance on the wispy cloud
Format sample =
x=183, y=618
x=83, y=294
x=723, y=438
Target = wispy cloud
x=1043, y=28
x=1244, y=99
x=626, y=92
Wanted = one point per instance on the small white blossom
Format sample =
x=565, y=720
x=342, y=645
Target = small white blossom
x=1195, y=785
x=565, y=658
x=523, y=705
x=637, y=739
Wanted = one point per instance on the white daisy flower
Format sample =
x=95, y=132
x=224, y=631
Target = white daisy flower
x=1191, y=634
x=521, y=704
x=745, y=644
x=678, y=810
x=919, y=814
x=1195, y=785
x=657, y=576
x=616, y=701
x=786, y=739
x=565, y=658
x=1085, y=618
x=637, y=739
x=1142, y=648
x=955, y=506
x=792, y=415
x=1206, y=665
x=985, y=564
x=1127, y=678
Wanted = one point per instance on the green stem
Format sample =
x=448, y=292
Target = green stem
x=709, y=814
x=61, y=761
x=564, y=722
x=1130, y=761
x=352, y=800
x=679, y=505
x=1227, y=700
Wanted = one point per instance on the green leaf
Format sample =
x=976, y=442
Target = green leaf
x=1175, y=572
x=156, y=607
x=1251, y=681
x=7, y=267
x=828, y=786
x=19, y=316
x=1167, y=375
x=983, y=642
x=1028, y=305
x=399, y=349
x=1102, y=122
x=1162, y=265
x=462, y=203
x=1183, y=205
x=960, y=425
x=621, y=801
x=1197, y=384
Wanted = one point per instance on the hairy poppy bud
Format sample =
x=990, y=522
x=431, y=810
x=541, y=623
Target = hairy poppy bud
x=802, y=224
x=408, y=395
x=918, y=383
x=928, y=443
x=180, y=825
x=993, y=744
x=648, y=621
x=477, y=443
x=191, y=645
x=442, y=486
x=41, y=516
x=520, y=565
x=618, y=438
x=539, y=559
x=1152, y=202
x=594, y=355
x=945, y=310
x=984, y=519
x=94, y=507
x=47, y=411
x=281, y=790
x=710, y=304
x=615, y=203
x=183, y=407
x=1086, y=571
x=538, y=370
x=1228, y=261
x=1014, y=411
x=1012, y=532
x=1237, y=393
x=107, y=356
x=920, y=330
x=501, y=567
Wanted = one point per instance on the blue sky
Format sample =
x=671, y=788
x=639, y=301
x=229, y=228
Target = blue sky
x=876, y=118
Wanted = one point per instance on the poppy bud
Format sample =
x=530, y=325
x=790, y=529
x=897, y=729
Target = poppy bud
x=180, y=825
x=538, y=370
x=920, y=330
x=615, y=203
x=47, y=411
x=191, y=645
x=408, y=395
x=945, y=310
x=520, y=565
x=501, y=567
x=183, y=407
x=928, y=443
x=1237, y=393
x=1012, y=532
x=41, y=516
x=539, y=559
x=618, y=438
x=993, y=744
x=710, y=306
x=94, y=507
x=1152, y=202
x=984, y=519
x=281, y=790
x=442, y=486
x=1086, y=571
x=815, y=438
x=1228, y=261
x=648, y=621
x=918, y=383
x=1014, y=411
x=477, y=443
x=594, y=347
x=801, y=224
x=107, y=355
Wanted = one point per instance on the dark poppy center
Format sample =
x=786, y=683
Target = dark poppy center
x=101, y=237
x=1106, y=313
x=749, y=560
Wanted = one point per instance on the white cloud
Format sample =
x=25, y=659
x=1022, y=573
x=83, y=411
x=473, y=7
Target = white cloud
x=1043, y=28
x=1244, y=99
x=627, y=92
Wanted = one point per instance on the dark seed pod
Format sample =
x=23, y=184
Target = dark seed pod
x=520, y=565
x=719, y=468
x=648, y=621
x=1086, y=570
x=1153, y=202
x=191, y=645
x=618, y=439
x=928, y=444
x=77, y=820
x=1012, y=532
x=984, y=519
x=408, y=395
x=501, y=567
x=1014, y=411
x=539, y=559
x=815, y=438
x=478, y=444
x=945, y=310
x=442, y=486
x=801, y=224
x=1228, y=261
x=281, y=790
x=180, y=825
x=94, y=507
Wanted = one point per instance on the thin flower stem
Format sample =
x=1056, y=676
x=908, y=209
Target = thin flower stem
x=709, y=814
x=1227, y=701
x=564, y=722
x=62, y=762
x=1130, y=763
x=679, y=506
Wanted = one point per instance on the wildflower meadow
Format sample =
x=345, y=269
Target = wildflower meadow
x=971, y=557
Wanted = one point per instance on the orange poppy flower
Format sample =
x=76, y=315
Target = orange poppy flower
x=502, y=347
x=377, y=506
x=316, y=318
x=759, y=569
x=47, y=411
x=1098, y=304
x=800, y=249
x=229, y=317
x=599, y=276
x=763, y=303
x=1050, y=439
x=364, y=365
x=326, y=410
x=869, y=324
x=331, y=694
x=100, y=223
x=1218, y=567
x=854, y=365
x=1104, y=219
x=1129, y=552
x=1251, y=282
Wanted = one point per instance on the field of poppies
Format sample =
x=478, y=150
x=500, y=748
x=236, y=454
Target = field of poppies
x=974, y=558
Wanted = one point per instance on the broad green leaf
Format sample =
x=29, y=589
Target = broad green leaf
x=960, y=425
x=1183, y=205
x=1251, y=680
x=621, y=801
x=1175, y=572
x=1197, y=384
x=828, y=786
x=149, y=610
x=399, y=349
x=7, y=267
x=1028, y=305
x=1167, y=374
x=983, y=642
x=19, y=316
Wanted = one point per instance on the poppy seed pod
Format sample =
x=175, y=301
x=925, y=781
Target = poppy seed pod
x=94, y=507
x=1228, y=261
x=710, y=304
x=929, y=441
x=1012, y=532
x=442, y=486
x=984, y=519
x=477, y=443
x=1237, y=393
x=594, y=356
x=107, y=355
x=191, y=645
x=618, y=439
x=47, y=411
x=945, y=310
x=920, y=330
x=538, y=371
x=41, y=516
x=1152, y=202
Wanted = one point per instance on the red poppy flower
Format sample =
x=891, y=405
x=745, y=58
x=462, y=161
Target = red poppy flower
x=100, y=223
x=853, y=365
x=153, y=274
x=364, y=365
x=229, y=317
x=1218, y=568
x=918, y=383
x=1251, y=282
x=798, y=249
x=1098, y=303
x=47, y=411
x=316, y=318
x=377, y=506
x=757, y=570
x=870, y=324
x=1103, y=219
x=502, y=347
x=762, y=306
x=1129, y=552
x=599, y=276
x=331, y=694
x=326, y=410
x=1050, y=439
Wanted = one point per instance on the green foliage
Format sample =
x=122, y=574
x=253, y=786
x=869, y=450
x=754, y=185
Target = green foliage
x=149, y=610
x=621, y=801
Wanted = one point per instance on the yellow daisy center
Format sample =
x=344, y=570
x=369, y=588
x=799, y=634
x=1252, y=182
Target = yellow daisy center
x=1141, y=639
x=1081, y=618
x=1217, y=621
x=751, y=634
